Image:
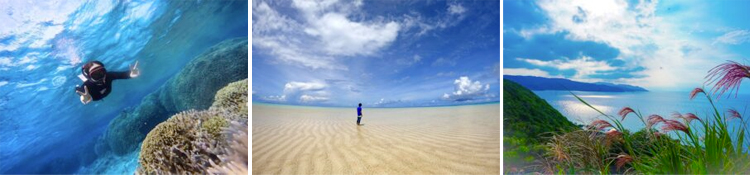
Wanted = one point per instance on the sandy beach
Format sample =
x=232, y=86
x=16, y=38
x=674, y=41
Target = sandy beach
x=433, y=140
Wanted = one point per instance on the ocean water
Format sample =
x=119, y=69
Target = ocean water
x=660, y=103
x=43, y=126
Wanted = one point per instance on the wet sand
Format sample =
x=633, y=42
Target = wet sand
x=434, y=140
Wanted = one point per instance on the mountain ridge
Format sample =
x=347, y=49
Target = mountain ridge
x=542, y=83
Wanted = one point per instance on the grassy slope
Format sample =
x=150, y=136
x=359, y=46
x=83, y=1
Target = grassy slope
x=527, y=119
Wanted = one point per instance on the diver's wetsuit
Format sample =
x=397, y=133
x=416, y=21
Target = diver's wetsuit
x=100, y=90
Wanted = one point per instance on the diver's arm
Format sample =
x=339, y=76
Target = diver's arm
x=118, y=75
x=134, y=72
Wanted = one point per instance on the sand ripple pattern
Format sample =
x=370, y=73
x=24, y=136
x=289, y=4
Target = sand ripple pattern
x=434, y=140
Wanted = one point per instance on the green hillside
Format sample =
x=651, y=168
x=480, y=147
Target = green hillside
x=527, y=115
x=527, y=122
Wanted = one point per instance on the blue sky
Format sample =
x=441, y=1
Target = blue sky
x=379, y=53
x=659, y=45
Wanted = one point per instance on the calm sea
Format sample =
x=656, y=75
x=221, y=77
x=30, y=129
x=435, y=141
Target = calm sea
x=661, y=103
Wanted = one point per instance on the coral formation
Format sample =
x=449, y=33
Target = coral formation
x=178, y=144
x=234, y=94
x=192, y=142
x=234, y=156
x=193, y=88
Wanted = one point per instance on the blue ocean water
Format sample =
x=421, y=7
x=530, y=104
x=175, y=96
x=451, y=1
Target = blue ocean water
x=660, y=103
x=44, y=128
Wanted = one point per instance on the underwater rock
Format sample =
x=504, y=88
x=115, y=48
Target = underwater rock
x=194, y=87
x=101, y=146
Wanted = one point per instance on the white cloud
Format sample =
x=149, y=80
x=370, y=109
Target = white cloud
x=383, y=102
x=733, y=37
x=527, y=72
x=303, y=91
x=456, y=9
x=341, y=36
x=280, y=98
x=409, y=61
x=643, y=39
x=583, y=66
x=465, y=89
x=444, y=61
x=451, y=73
x=3, y=83
x=309, y=98
x=453, y=15
x=303, y=86
x=321, y=35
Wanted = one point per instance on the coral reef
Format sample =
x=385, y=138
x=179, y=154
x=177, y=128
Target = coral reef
x=234, y=94
x=194, y=87
x=178, y=144
x=234, y=156
x=194, y=142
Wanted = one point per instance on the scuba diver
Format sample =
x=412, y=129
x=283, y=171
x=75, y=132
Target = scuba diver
x=97, y=82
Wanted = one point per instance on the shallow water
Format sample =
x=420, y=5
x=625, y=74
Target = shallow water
x=420, y=140
x=43, y=126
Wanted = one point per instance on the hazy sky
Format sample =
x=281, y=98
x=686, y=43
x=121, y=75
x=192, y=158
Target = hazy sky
x=660, y=45
x=379, y=53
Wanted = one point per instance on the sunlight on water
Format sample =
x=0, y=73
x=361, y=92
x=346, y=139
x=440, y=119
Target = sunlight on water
x=584, y=113
x=593, y=96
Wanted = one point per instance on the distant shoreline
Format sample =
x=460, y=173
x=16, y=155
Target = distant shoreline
x=354, y=105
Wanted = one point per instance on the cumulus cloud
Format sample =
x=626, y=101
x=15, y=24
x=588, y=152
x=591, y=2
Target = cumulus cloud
x=341, y=36
x=322, y=34
x=303, y=86
x=304, y=92
x=465, y=89
x=733, y=37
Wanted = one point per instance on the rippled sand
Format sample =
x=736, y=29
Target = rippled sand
x=436, y=140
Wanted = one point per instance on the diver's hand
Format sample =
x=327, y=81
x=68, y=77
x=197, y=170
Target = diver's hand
x=85, y=96
x=134, y=72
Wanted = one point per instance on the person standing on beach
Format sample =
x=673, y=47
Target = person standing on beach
x=359, y=113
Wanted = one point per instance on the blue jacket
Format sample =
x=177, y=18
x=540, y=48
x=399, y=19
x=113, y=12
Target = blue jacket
x=359, y=111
